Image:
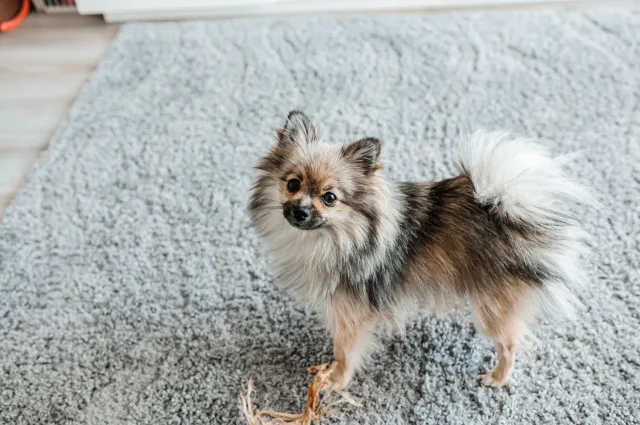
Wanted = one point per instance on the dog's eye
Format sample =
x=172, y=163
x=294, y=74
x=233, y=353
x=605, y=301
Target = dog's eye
x=293, y=185
x=329, y=199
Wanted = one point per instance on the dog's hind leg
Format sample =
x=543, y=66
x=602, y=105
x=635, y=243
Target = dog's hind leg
x=499, y=319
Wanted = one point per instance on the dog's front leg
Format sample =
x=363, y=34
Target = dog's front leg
x=353, y=331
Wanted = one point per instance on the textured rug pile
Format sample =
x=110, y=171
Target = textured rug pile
x=132, y=290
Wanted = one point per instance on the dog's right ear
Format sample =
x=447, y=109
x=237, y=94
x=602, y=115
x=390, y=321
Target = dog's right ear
x=298, y=129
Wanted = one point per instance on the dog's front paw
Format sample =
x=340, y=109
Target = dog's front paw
x=495, y=379
x=339, y=380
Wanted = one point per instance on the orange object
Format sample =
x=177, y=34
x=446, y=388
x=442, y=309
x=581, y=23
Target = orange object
x=13, y=23
x=313, y=410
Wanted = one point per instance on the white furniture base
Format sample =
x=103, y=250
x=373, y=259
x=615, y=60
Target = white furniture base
x=129, y=10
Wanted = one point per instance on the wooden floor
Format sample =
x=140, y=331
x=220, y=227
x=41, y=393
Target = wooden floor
x=43, y=65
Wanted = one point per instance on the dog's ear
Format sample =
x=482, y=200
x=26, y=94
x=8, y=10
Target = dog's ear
x=298, y=129
x=364, y=154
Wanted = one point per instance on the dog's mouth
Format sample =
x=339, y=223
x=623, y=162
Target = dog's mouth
x=307, y=225
x=312, y=224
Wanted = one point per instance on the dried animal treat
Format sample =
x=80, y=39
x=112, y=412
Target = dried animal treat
x=313, y=410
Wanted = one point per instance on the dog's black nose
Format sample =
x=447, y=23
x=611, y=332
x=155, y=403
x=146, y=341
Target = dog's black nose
x=302, y=214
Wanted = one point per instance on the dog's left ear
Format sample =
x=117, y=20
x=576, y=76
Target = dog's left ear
x=364, y=153
x=298, y=129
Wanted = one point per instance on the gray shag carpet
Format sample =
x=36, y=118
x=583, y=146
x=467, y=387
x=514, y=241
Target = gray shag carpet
x=132, y=290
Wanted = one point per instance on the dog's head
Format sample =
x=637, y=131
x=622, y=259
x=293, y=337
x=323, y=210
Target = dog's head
x=316, y=185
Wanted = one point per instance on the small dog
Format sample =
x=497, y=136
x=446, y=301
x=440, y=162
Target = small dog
x=362, y=249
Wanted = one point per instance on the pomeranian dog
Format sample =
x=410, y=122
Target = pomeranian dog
x=362, y=249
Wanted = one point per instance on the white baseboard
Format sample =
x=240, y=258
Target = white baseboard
x=130, y=10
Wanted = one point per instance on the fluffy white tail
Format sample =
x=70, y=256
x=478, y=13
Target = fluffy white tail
x=518, y=178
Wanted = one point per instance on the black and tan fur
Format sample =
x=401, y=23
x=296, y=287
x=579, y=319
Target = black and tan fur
x=386, y=248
